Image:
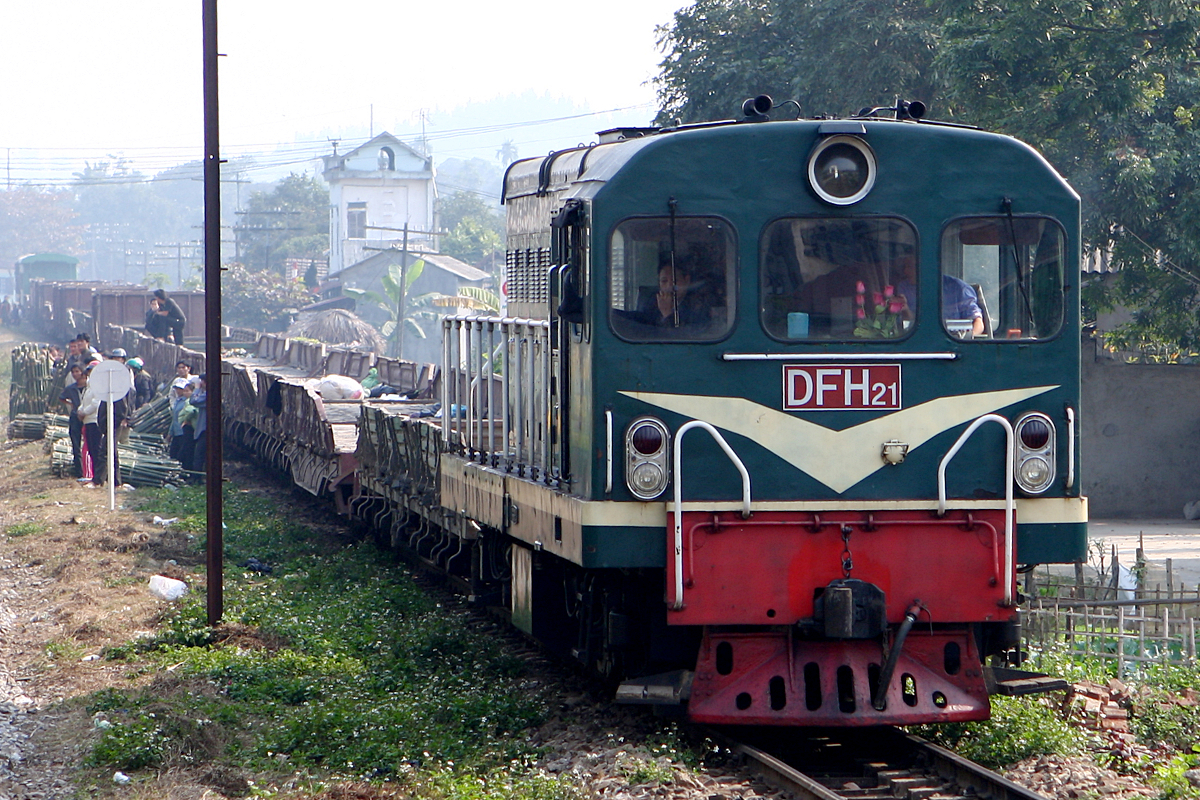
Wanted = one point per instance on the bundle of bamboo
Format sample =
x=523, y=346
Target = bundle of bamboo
x=35, y=387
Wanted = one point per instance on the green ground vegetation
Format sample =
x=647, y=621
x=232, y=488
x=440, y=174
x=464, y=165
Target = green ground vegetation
x=24, y=528
x=1164, y=725
x=333, y=666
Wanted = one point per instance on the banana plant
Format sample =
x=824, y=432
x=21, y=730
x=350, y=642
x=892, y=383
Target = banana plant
x=394, y=301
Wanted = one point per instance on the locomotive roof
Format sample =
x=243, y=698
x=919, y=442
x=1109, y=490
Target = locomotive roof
x=582, y=171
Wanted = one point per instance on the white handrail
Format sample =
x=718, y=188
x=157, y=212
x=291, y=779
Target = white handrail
x=608, y=451
x=677, y=603
x=1009, y=505
x=1070, y=447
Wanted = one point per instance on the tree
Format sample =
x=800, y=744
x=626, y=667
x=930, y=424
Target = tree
x=260, y=300
x=831, y=56
x=475, y=226
x=118, y=197
x=157, y=280
x=37, y=221
x=1110, y=92
x=292, y=221
x=506, y=153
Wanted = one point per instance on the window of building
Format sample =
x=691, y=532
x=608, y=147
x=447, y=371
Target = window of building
x=838, y=278
x=673, y=279
x=1002, y=278
x=356, y=221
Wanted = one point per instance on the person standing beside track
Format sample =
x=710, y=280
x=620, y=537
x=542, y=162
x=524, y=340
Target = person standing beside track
x=200, y=402
x=183, y=434
x=72, y=395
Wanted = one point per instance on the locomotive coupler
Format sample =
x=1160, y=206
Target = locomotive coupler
x=852, y=609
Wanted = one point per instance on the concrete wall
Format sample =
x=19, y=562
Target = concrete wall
x=1139, y=437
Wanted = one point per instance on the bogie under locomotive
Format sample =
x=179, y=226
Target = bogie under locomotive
x=779, y=412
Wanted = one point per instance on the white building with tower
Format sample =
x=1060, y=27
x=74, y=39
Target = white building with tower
x=375, y=190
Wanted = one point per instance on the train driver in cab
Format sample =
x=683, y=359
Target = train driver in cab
x=959, y=301
x=678, y=302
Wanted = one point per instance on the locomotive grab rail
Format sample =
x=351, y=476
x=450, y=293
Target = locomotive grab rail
x=677, y=601
x=608, y=452
x=839, y=356
x=1009, y=504
x=1070, y=447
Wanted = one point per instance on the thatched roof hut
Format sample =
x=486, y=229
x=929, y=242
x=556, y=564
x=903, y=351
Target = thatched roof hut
x=337, y=327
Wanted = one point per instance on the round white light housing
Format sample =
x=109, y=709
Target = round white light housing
x=1035, y=453
x=647, y=448
x=842, y=170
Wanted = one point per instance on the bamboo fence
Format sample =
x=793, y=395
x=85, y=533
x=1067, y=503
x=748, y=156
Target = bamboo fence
x=1110, y=613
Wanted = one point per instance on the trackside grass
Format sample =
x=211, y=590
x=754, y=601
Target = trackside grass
x=334, y=666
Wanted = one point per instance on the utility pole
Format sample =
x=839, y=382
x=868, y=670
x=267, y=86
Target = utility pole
x=403, y=294
x=215, y=551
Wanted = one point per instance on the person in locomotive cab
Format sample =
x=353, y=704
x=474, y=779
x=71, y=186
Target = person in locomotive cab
x=959, y=301
x=678, y=302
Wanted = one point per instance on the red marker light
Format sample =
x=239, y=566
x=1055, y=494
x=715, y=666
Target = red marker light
x=647, y=439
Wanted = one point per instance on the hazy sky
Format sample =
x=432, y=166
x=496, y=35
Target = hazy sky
x=80, y=79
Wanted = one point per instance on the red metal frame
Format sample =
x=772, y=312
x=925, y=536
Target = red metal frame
x=763, y=575
x=767, y=570
x=772, y=680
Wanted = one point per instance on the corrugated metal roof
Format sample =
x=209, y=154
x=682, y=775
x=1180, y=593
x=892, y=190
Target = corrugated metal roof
x=452, y=264
x=440, y=260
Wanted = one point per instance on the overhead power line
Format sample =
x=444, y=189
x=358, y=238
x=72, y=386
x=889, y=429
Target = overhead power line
x=28, y=167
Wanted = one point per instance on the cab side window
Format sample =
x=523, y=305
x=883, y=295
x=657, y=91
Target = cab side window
x=672, y=279
x=838, y=278
x=1003, y=278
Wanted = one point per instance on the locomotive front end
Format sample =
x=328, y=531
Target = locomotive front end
x=842, y=358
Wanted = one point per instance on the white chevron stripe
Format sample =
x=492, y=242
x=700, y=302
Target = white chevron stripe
x=838, y=459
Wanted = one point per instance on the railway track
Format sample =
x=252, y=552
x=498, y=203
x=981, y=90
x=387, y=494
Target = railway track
x=870, y=764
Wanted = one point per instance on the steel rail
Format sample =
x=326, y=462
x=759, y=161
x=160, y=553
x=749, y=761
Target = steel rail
x=969, y=775
x=892, y=754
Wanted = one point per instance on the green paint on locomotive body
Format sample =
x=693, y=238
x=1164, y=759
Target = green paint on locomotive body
x=753, y=174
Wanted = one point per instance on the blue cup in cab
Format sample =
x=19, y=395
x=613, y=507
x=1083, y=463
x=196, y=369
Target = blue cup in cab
x=797, y=325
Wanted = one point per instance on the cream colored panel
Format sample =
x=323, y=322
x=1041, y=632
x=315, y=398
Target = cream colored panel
x=1046, y=510
x=807, y=445
x=473, y=490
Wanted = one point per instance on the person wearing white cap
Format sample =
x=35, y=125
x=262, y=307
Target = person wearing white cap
x=182, y=441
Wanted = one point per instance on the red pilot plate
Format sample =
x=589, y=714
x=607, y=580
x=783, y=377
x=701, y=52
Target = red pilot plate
x=841, y=387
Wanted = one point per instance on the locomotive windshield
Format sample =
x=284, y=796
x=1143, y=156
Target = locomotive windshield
x=1012, y=268
x=673, y=279
x=838, y=278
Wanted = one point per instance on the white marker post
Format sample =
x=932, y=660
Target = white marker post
x=112, y=380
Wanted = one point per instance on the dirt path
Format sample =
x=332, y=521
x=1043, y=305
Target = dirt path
x=73, y=578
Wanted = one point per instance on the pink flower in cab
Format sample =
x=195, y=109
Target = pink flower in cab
x=878, y=298
x=895, y=306
x=860, y=287
x=861, y=313
x=889, y=292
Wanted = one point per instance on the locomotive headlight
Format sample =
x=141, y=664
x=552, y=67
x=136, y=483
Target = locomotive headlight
x=841, y=169
x=647, y=452
x=1035, y=472
x=647, y=479
x=1035, y=453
